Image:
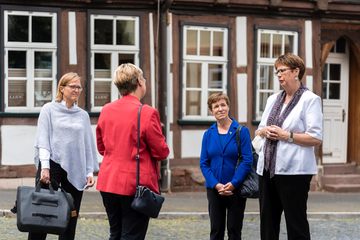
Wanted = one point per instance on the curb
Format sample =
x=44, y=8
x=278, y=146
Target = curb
x=204, y=215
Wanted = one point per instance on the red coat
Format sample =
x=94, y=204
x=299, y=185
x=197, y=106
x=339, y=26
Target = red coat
x=116, y=135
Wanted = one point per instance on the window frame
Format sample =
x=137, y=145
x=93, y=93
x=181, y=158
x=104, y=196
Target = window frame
x=30, y=48
x=114, y=51
x=261, y=61
x=204, y=61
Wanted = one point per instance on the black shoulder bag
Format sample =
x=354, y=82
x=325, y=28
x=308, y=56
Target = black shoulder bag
x=145, y=200
x=250, y=186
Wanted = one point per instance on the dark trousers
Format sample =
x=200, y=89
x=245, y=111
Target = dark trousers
x=125, y=223
x=288, y=194
x=229, y=209
x=59, y=176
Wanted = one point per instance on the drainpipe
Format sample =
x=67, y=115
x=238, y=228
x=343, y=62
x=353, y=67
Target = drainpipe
x=163, y=70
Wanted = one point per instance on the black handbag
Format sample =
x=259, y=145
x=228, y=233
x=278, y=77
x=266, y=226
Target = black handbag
x=250, y=186
x=43, y=210
x=145, y=200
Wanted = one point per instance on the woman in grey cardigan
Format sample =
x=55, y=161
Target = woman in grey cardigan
x=65, y=151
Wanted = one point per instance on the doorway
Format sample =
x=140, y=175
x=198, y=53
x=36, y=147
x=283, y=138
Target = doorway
x=335, y=83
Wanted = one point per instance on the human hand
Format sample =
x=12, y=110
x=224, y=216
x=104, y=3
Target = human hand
x=219, y=187
x=226, y=190
x=90, y=181
x=277, y=133
x=45, y=175
x=229, y=187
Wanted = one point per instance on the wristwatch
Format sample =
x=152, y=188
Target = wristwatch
x=291, y=137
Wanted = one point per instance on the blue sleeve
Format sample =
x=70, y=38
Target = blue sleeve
x=205, y=163
x=245, y=166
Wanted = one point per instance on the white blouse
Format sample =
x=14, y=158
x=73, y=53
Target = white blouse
x=306, y=117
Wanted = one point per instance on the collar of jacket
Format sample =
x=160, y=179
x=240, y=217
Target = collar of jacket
x=231, y=133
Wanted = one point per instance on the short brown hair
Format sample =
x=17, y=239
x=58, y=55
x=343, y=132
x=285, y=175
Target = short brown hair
x=126, y=78
x=215, y=97
x=64, y=80
x=292, y=61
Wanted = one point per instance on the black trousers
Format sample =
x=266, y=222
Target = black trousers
x=125, y=223
x=225, y=209
x=58, y=175
x=288, y=194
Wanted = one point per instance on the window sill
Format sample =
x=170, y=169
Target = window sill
x=195, y=122
x=20, y=114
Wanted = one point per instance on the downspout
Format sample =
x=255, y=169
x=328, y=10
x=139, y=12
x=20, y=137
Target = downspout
x=163, y=70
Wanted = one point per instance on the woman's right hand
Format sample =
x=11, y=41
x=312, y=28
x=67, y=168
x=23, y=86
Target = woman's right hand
x=45, y=176
x=222, y=190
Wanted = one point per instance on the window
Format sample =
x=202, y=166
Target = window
x=340, y=46
x=331, y=75
x=114, y=40
x=30, y=60
x=331, y=81
x=271, y=44
x=204, y=69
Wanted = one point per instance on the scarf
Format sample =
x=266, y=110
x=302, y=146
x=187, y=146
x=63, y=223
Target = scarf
x=277, y=118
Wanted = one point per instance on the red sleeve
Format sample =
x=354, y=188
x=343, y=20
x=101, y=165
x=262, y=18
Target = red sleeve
x=155, y=140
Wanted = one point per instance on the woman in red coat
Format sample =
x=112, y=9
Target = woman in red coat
x=116, y=135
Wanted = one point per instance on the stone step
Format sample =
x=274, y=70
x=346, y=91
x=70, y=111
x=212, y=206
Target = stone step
x=344, y=188
x=340, y=168
x=340, y=179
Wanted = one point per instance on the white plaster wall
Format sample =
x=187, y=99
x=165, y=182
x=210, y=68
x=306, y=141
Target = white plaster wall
x=309, y=82
x=242, y=97
x=191, y=143
x=241, y=47
x=241, y=61
x=170, y=143
x=18, y=144
x=308, y=44
x=72, y=38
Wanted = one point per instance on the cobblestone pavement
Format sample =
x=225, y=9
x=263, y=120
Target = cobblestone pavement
x=330, y=227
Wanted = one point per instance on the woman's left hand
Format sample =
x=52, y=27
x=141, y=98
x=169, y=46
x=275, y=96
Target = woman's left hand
x=227, y=190
x=276, y=133
x=90, y=181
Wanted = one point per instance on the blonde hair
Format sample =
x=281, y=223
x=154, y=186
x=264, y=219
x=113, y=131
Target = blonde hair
x=215, y=97
x=126, y=78
x=64, y=80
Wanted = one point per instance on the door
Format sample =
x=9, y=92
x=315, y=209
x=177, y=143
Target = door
x=335, y=107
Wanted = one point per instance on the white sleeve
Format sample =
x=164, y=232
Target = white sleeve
x=44, y=156
x=314, y=118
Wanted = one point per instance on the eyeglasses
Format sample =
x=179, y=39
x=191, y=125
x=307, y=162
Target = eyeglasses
x=75, y=87
x=281, y=71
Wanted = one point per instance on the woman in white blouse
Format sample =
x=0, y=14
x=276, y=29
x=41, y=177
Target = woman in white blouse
x=291, y=126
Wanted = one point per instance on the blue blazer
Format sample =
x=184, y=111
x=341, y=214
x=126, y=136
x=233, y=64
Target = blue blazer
x=219, y=163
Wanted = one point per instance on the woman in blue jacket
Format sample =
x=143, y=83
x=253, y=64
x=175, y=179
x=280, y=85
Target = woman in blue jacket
x=219, y=165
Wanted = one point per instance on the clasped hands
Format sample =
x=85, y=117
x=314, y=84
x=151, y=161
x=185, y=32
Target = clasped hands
x=274, y=132
x=225, y=189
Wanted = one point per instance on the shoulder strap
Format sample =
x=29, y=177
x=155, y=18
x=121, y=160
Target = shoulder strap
x=138, y=148
x=238, y=142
